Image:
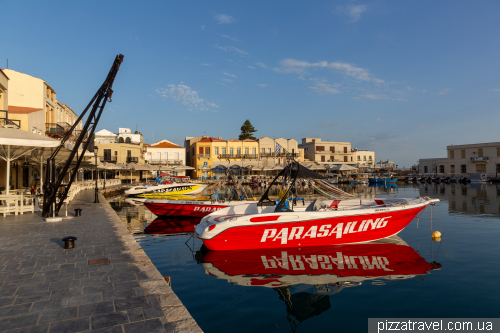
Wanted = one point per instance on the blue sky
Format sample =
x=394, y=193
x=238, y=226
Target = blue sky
x=402, y=78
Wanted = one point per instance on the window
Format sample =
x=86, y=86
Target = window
x=332, y=158
x=345, y=158
x=370, y=158
x=364, y=158
x=332, y=149
x=426, y=169
x=223, y=149
x=216, y=150
x=247, y=151
x=463, y=168
x=263, y=151
x=345, y=150
x=254, y=151
x=462, y=153
x=323, y=158
x=207, y=150
x=176, y=156
x=238, y=151
x=320, y=148
x=33, y=130
x=452, y=154
x=231, y=151
x=441, y=169
x=452, y=168
x=205, y=164
x=165, y=156
x=200, y=150
x=480, y=152
x=129, y=153
x=116, y=153
x=269, y=151
x=107, y=154
x=128, y=140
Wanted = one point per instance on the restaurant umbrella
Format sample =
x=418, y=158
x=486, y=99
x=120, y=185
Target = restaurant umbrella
x=15, y=143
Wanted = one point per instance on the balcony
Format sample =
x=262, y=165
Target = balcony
x=222, y=156
x=480, y=159
x=108, y=158
x=52, y=129
x=250, y=156
x=132, y=159
x=166, y=162
x=65, y=126
x=287, y=155
x=5, y=121
x=203, y=155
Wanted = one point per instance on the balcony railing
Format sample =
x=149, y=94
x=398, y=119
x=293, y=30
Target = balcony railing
x=108, y=158
x=53, y=128
x=5, y=121
x=165, y=162
x=279, y=155
x=250, y=156
x=479, y=159
x=203, y=155
x=132, y=159
x=65, y=126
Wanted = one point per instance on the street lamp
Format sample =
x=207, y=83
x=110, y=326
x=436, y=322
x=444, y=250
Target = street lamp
x=96, y=186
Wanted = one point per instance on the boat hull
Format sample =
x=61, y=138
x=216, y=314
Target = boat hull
x=197, y=209
x=348, y=229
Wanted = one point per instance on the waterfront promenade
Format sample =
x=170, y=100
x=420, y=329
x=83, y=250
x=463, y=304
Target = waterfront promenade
x=44, y=288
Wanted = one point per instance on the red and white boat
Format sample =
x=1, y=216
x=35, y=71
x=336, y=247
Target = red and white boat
x=268, y=224
x=189, y=208
x=331, y=222
x=348, y=265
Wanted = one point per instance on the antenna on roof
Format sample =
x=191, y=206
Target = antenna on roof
x=7, y=63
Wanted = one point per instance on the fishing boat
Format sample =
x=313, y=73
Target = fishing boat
x=343, y=265
x=279, y=224
x=148, y=191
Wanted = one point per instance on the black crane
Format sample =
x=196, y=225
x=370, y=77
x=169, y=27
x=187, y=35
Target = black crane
x=52, y=183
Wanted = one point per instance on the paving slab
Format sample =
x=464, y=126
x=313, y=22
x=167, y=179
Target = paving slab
x=45, y=288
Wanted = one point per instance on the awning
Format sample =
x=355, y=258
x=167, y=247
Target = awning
x=15, y=143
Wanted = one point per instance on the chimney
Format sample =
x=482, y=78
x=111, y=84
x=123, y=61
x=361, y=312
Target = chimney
x=220, y=138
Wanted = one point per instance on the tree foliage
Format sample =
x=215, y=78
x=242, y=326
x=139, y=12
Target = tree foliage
x=247, y=131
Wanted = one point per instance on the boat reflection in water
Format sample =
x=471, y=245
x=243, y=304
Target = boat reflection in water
x=305, y=277
x=172, y=225
x=389, y=259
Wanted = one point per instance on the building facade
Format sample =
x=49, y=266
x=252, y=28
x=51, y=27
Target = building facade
x=165, y=154
x=363, y=158
x=464, y=159
x=327, y=151
x=113, y=150
x=4, y=88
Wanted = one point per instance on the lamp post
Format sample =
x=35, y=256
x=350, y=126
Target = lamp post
x=96, y=185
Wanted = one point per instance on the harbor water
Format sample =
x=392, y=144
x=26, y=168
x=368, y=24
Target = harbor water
x=410, y=277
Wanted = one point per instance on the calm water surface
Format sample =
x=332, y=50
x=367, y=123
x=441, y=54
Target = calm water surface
x=308, y=291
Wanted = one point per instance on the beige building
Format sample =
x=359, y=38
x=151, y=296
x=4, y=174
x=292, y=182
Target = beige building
x=465, y=159
x=165, y=153
x=327, y=151
x=112, y=151
x=269, y=156
x=28, y=95
x=364, y=158
x=4, y=96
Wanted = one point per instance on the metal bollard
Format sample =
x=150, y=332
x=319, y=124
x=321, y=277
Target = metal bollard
x=69, y=242
x=78, y=212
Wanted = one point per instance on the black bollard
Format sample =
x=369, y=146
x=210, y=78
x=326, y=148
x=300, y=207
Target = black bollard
x=78, y=212
x=69, y=242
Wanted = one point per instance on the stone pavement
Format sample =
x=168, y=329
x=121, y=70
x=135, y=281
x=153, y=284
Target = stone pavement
x=44, y=288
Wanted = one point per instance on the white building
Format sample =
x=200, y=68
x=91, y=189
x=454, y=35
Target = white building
x=167, y=154
x=125, y=135
x=364, y=158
